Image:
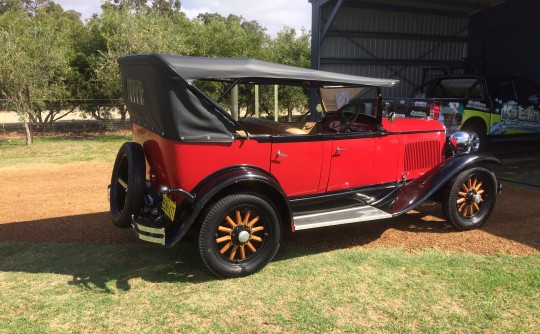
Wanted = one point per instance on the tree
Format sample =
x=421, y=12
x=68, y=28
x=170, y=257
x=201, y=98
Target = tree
x=165, y=7
x=120, y=31
x=289, y=49
x=214, y=35
x=34, y=65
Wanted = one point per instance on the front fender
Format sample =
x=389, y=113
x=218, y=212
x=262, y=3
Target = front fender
x=241, y=177
x=412, y=194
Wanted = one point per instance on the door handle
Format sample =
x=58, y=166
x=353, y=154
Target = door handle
x=279, y=154
x=339, y=150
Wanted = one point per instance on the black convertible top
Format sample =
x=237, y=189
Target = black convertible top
x=193, y=68
x=160, y=97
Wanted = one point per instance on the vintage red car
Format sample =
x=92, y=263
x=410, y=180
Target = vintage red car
x=240, y=184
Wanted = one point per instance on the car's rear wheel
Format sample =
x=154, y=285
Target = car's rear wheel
x=127, y=184
x=470, y=198
x=239, y=235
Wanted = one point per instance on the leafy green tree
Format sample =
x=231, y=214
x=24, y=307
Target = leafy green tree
x=214, y=35
x=119, y=32
x=51, y=63
x=218, y=36
x=290, y=49
x=165, y=7
x=34, y=60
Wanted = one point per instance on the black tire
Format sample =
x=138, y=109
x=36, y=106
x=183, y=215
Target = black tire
x=470, y=198
x=477, y=134
x=129, y=169
x=239, y=235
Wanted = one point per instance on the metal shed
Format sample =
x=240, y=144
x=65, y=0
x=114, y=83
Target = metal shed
x=399, y=38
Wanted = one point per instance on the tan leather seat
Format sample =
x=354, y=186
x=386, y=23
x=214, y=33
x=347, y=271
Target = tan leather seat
x=265, y=126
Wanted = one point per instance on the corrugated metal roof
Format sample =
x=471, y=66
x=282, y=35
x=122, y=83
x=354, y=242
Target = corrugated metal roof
x=445, y=7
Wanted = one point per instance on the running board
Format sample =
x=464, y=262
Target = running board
x=339, y=217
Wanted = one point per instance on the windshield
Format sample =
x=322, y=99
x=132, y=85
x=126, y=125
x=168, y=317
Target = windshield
x=365, y=98
x=458, y=88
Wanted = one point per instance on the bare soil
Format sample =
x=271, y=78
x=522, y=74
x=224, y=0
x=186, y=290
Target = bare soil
x=68, y=204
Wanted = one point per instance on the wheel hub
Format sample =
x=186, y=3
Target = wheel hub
x=240, y=235
x=472, y=197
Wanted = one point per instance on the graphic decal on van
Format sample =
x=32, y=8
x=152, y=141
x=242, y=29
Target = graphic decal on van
x=516, y=117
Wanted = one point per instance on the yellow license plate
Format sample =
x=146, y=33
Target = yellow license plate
x=168, y=206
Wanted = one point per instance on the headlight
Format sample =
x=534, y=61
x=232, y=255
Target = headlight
x=460, y=142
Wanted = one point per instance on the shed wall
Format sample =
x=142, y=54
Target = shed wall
x=506, y=39
x=390, y=43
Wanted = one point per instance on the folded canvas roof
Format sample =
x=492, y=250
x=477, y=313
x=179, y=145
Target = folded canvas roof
x=194, y=68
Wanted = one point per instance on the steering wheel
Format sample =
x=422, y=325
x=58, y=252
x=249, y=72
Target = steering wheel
x=340, y=123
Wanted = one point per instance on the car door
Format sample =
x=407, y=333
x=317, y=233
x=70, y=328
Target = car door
x=352, y=158
x=296, y=162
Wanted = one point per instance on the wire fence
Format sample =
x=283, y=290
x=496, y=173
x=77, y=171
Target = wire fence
x=76, y=116
x=73, y=126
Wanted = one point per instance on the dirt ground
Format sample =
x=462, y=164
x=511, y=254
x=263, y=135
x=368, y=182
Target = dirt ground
x=68, y=204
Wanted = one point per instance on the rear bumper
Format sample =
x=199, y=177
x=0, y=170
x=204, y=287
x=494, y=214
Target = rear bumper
x=151, y=234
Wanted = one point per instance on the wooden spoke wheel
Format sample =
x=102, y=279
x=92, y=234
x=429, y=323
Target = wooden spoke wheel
x=239, y=235
x=470, y=198
x=127, y=184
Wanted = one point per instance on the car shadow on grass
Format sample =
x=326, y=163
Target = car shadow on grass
x=96, y=255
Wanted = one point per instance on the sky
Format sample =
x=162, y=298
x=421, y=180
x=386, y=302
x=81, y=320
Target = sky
x=273, y=15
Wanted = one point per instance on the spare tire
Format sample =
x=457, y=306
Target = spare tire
x=127, y=184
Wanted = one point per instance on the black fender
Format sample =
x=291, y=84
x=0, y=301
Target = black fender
x=413, y=193
x=230, y=179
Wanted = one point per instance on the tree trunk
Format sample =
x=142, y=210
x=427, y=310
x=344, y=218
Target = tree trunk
x=289, y=114
x=29, y=133
x=123, y=112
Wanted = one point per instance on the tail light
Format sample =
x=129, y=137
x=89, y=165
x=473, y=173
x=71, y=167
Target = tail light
x=434, y=111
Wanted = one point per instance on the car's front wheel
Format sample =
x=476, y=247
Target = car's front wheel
x=470, y=198
x=239, y=235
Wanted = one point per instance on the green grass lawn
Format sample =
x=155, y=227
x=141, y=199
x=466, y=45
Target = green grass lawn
x=141, y=288
x=61, y=149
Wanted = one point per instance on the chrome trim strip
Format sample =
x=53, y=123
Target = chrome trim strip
x=160, y=241
x=141, y=229
x=153, y=230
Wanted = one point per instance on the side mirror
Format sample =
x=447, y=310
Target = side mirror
x=391, y=116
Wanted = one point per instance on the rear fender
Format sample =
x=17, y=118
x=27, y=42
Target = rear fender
x=229, y=180
x=412, y=194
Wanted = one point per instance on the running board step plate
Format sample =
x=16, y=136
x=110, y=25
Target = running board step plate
x=339, y=217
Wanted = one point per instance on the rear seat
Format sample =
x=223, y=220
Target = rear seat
x=265, y=126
